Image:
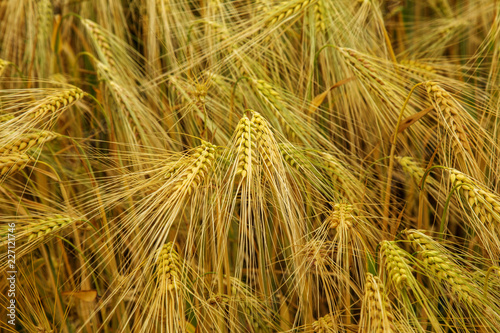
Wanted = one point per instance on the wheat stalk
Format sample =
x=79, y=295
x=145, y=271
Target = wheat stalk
x=27, y=141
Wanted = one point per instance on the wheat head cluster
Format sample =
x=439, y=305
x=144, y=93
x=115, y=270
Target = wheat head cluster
x=250, y=166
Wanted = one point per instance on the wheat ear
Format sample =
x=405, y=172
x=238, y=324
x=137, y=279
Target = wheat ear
x=27, y=141
x=341, y=216
x=245, y=144
x=286, y=10
x=376, y=314
x=102, y=42
x=49, y=226
x=10, y=164
x=451, y=113
x=438, y=264
x=324, y=324
x=412, y=168
x=201, y=163
x=484, y=203
x=397, y=263
x=54, y=103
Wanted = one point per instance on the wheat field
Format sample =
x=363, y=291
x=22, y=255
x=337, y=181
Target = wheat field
x=250, y=166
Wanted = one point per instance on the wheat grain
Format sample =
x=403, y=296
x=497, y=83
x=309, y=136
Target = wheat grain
x=45, y=13
x=292, y=156
x=273, y=98
x=362, y=65
x=27, y=141
x=3, y=65
x=262, y=137
x=5, y=117
x=319, y=16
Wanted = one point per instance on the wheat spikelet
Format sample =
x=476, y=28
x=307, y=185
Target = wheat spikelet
x=439, y=265
x=27, y=141
x=3, y=65
x=9, y=164
x=421, y=69
x=45, y=13
x=316, y=253
x=5, y=117
x=292, y=156
x=324, y=324
x=54, y=103
x=362, y=65
x=397, y=263
x=484, y=203
x=338, y=173
x=286, y=10
x=341, y=216
x=450, y=112
x=319, y=16
x=262, y=137
x=202, y=160
x=102, y=42
x=412, y=168
x=168, y=267
x=49, y=226
x=245, y=144
x=376, y=314
x=125, y=104
x=273, y=98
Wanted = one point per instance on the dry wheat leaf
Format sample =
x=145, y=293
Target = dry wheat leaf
x=83, y=295
x=316, y=102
